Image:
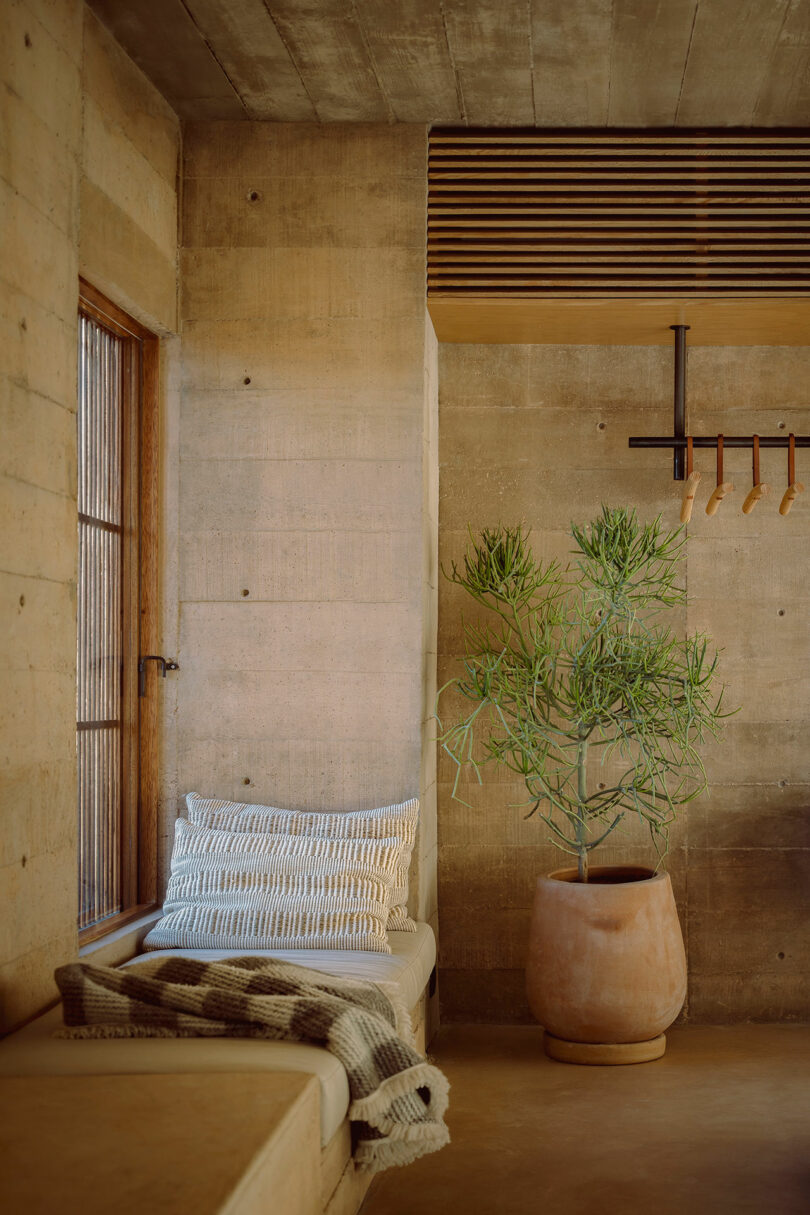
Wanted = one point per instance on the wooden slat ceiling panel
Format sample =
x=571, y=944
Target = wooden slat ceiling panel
x=539, y=214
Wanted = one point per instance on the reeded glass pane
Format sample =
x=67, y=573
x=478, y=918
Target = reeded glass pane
x=99, y=754
x=99, y=422
x=99, y=643
x=99, y=666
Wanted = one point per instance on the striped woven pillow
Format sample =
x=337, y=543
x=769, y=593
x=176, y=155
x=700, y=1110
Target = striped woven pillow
x=385, y=822
x=245, y=890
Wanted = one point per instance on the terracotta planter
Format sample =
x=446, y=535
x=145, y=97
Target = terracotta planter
x=606, y=969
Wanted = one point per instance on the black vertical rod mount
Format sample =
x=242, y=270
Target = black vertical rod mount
x=166, y=664
x=679, y=426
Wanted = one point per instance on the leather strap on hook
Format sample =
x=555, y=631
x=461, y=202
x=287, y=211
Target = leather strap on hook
x=722, y=487
x=794, y=487
x=692, y=479
x=756, y=459
x=759, y=488
x=791, y=458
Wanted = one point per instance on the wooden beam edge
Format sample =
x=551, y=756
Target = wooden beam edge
x=769, y=321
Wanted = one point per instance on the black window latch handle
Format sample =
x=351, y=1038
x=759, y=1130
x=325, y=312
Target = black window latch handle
x=165, y=665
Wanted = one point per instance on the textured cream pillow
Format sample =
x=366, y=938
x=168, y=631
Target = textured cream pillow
x=384, y=823
x=243, y=890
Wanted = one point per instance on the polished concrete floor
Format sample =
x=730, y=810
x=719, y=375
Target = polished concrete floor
x=719, y=1126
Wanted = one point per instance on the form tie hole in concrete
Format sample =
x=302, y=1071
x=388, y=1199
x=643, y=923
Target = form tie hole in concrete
x=783, y=784
x=781, y=612
x=780, y=425
x=27, y=40
x=246, y=781
x=253, y=196
x=781, y=956
x=245, y=593
x=24, y=861
x=601, y=785
x=601, y=426
x=246, y=380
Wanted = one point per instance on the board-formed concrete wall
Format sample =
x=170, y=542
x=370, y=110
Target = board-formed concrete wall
x=303, y=472
x=40, y=66
x=87, y=184
x=129, y=167
x=308, y=427
x=539, y=433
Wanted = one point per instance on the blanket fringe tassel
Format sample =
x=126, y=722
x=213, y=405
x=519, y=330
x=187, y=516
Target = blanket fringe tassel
x=373, y=1109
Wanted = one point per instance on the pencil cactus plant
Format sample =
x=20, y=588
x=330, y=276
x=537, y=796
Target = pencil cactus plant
x=575, y=661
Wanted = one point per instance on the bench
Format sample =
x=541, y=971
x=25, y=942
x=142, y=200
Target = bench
x=33, y=1051
x=212, y=1145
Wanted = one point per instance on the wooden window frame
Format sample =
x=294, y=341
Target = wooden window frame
x=140, y=589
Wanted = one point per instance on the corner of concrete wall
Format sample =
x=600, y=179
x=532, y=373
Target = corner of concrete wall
x=427, y=905
x=302, y=456
x=129, y=206
x=540, y=433
x=40, y=71
x=88, y=169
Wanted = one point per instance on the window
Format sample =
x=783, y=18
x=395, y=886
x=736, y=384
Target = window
x=116, y=729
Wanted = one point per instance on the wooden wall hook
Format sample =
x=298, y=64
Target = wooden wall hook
x=760, y=489
x=692, y=479
x=794, y=487
x=723, y=487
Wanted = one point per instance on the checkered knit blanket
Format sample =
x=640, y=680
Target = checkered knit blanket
x=397, y=1098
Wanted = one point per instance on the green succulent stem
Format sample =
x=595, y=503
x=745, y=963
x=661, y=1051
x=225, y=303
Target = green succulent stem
x=562, y=666
x=582, y=808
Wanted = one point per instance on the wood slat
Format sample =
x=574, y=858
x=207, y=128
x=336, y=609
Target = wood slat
x=450, y=276
x=697, y=290
x=563, y=212
x=633, y=204
x=653, y=243
x=579, y=167
x=576, y=170
x=651, y=220
x=779, y=197
x=596, y=137
x=667, y=147
x=610, y=284
x=504, y=261
x=598, y=184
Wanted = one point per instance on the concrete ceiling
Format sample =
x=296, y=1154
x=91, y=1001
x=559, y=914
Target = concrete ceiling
x=480, y=62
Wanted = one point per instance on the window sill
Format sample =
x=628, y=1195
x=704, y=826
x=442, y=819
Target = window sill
x=122, y=943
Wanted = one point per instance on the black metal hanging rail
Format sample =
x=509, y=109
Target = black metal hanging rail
x=678, y=439
x=711, y=441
